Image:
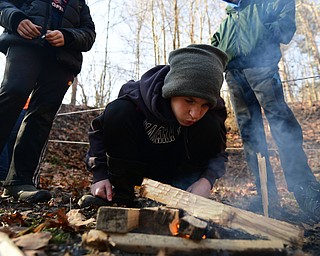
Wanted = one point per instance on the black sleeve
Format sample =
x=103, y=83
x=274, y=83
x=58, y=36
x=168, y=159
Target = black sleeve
x=11, y=15
x=216, y=165
x=96, y=158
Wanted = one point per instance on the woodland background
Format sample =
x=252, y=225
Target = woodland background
x=136, y=35
x=133, y=36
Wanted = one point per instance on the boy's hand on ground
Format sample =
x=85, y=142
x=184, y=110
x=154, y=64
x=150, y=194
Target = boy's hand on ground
x=28, y=30
x=201, y=187
x=102, y=189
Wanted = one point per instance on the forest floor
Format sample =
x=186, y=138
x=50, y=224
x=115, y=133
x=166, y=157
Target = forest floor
x=63, y=173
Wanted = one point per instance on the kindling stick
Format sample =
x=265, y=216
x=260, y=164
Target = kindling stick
x=263, y=183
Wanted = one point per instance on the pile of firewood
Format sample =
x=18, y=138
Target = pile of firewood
x=187, y=223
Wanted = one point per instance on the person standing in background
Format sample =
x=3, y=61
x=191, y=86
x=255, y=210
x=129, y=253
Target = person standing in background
x=251, y=36
x=43, y=42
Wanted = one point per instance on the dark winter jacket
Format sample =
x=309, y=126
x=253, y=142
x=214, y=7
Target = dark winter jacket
x=252, y=33
x=146, y=94
x=76, y=25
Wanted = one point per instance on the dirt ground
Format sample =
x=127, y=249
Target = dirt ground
x=63, y=173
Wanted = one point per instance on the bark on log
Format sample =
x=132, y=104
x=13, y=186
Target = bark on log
x=117, y=219
x=192, y=227
x=157, y=220
x=142, y=243
x=7, y=247
x=263, y=183
x=149, y=220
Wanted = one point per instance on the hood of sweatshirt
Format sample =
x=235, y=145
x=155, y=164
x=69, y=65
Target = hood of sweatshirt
x=146, y=93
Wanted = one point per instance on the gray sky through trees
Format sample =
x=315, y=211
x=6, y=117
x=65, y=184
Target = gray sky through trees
x=133, y=36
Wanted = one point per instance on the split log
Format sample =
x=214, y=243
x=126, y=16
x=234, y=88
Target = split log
x=117, y=219
x=149, y=220
x=192, y=227
x=158, y=220
x=143, y=243
x=222, y=214
x=263, y=183
x=7, y=246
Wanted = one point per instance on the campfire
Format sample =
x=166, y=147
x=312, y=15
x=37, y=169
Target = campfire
x=187, y=222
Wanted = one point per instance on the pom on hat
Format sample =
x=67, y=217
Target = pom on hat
x=195, y=71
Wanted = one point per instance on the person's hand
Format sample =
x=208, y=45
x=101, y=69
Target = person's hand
x=201, y=187
x=102, y=189
x=28, y=30
x=55, y=38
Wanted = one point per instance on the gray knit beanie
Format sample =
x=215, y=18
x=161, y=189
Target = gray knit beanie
x=195, y=71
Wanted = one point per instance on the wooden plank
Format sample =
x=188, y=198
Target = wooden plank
x=192, y=227
x=7, y=246
x=263, y=183
x=149, y=220
x=158, y=220
x=117, y=219
x=222, y=214
x=143, y=243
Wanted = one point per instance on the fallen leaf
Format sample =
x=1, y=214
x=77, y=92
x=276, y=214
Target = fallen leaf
x=33, y=241
x=77, y=220
x=97, y=239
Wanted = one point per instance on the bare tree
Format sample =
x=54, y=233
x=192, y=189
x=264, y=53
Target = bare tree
x=176, y=34
x=154, y=28
x=74, y=91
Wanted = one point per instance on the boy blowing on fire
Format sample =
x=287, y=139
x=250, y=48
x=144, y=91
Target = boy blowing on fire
x=168, y=126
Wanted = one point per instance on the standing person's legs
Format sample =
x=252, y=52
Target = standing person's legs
x=6, y=155
x=285, y=129
x=45, y=101
x=20, y=76
x=287, y=134
x=249, y=118
x=4, y=163
x=52, y=84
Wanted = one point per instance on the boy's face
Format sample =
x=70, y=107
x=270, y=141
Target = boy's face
x=189, y=110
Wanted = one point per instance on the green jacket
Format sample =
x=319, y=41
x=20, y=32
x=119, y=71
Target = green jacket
x=252, y=33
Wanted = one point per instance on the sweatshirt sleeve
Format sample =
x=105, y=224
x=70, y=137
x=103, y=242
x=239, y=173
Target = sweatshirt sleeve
x=216, y=165
x=83, y=37
x=96, y=158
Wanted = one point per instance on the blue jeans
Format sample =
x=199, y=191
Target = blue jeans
x=254, y=89
x=6, y=154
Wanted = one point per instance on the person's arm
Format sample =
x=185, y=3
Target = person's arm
x=102, y=189
x=81, y=38
x=201, y=187
x=96, y=161
x=283, y=27
x=215, y=40
x=216, y=165
x=10, y=15
x=96, y=158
